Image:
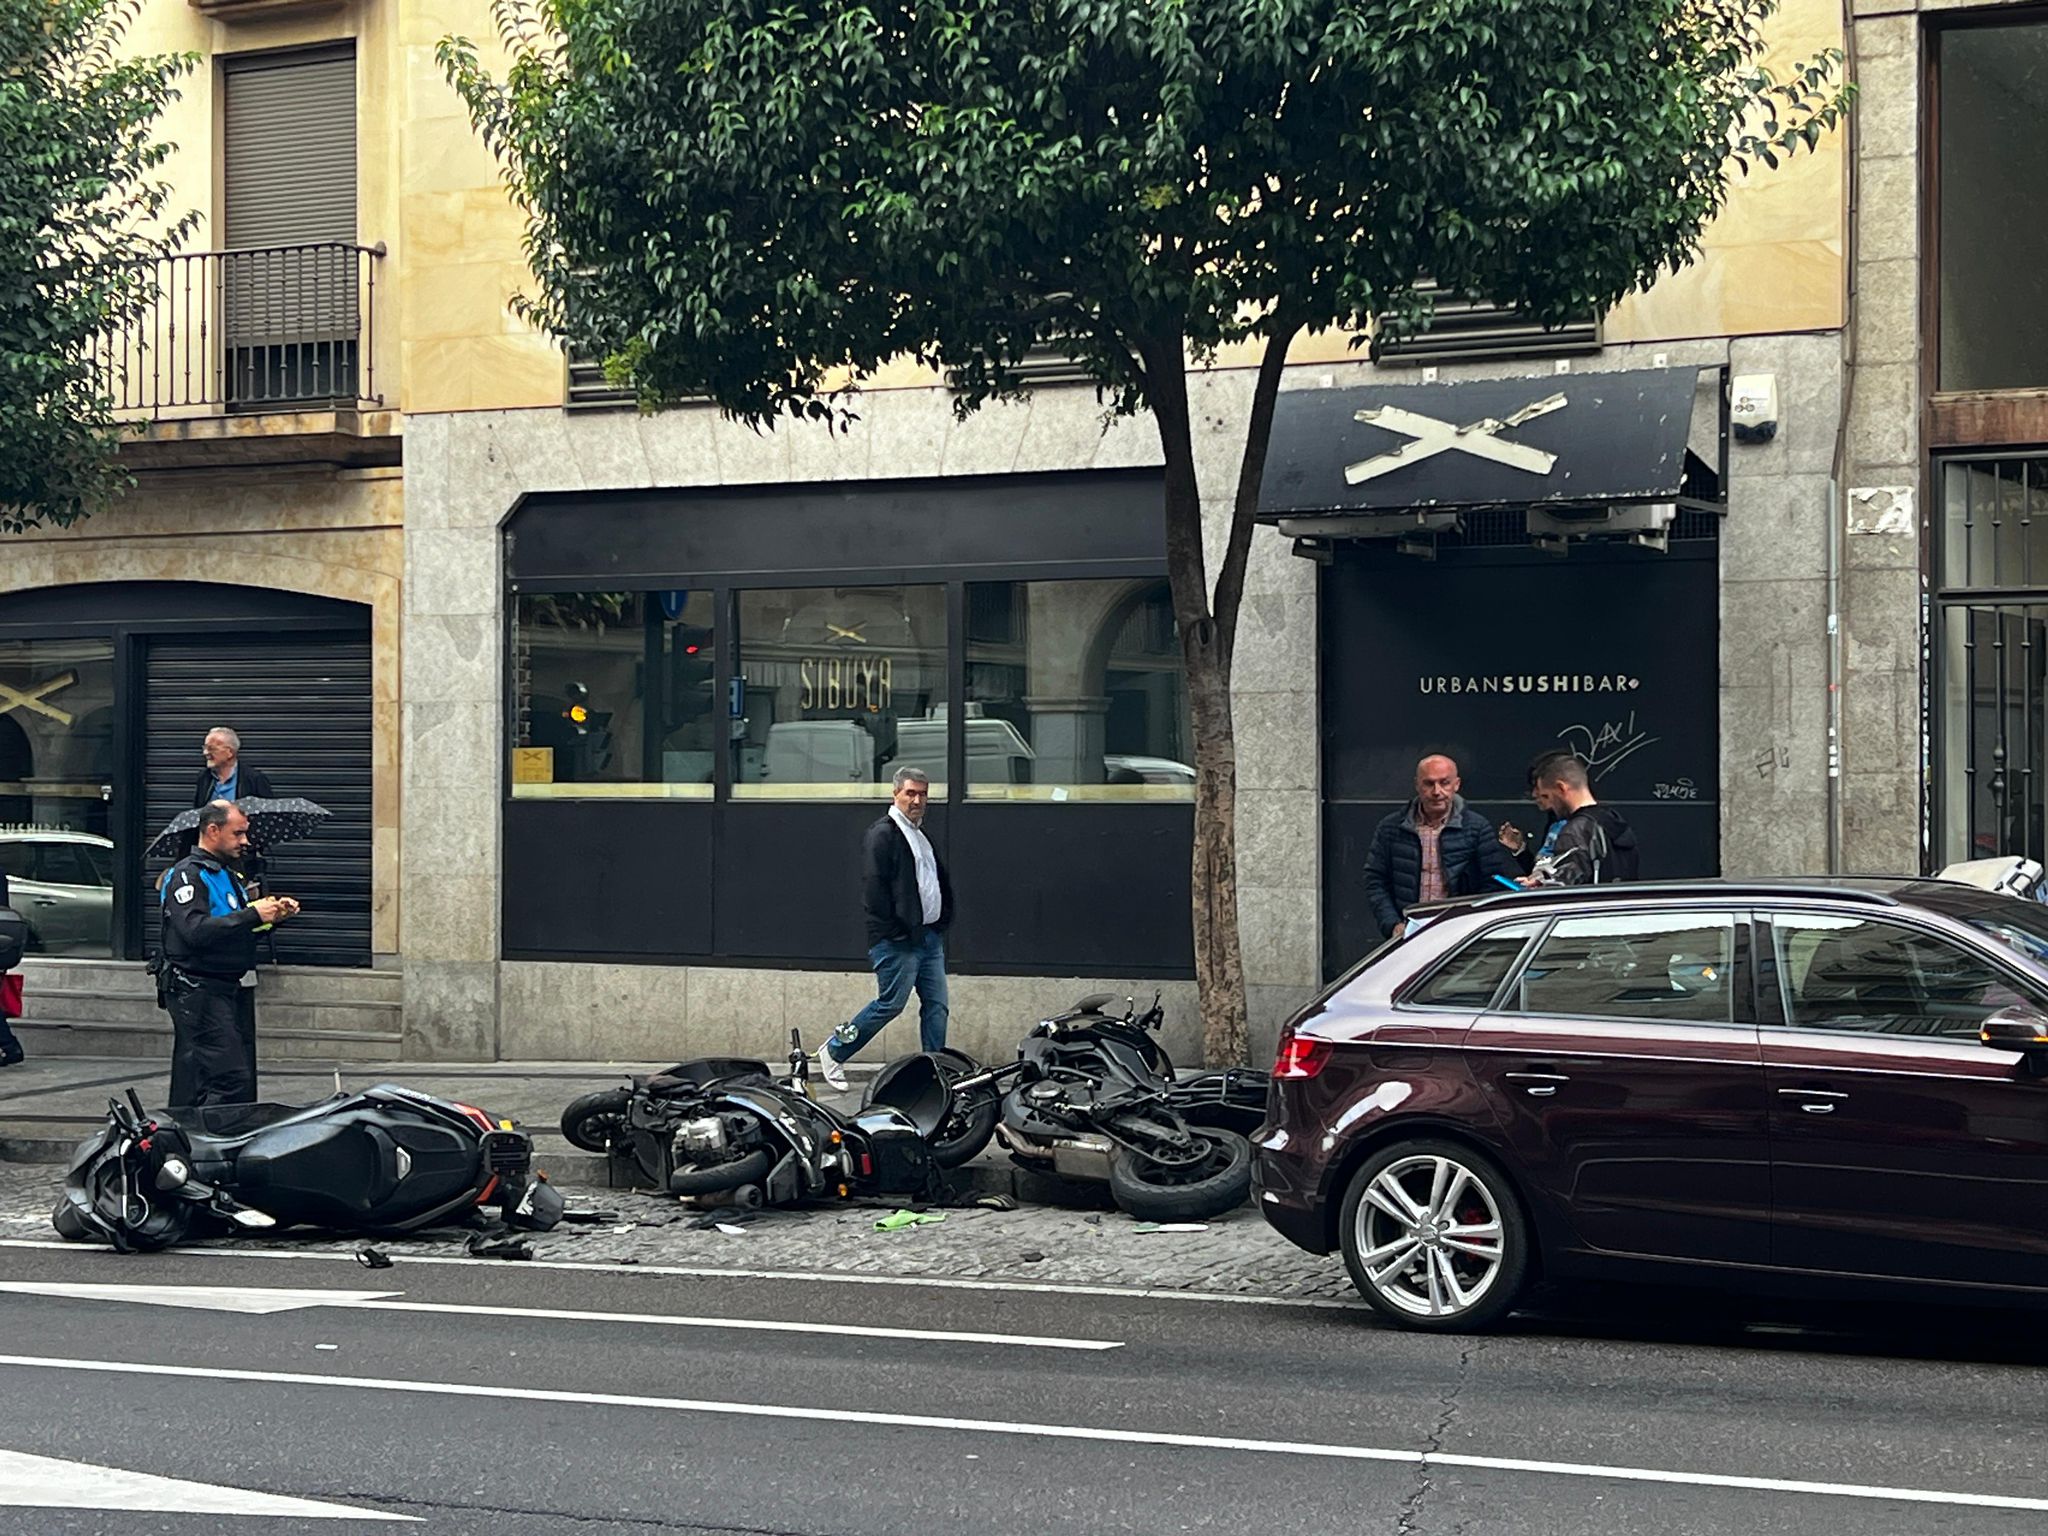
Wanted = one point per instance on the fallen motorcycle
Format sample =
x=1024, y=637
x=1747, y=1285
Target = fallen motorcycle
x=726, y=1130
x=1093, y=1098
x=385, y=1160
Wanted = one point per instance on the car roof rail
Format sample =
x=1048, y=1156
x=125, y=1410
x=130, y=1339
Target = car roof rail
x=1872, y=890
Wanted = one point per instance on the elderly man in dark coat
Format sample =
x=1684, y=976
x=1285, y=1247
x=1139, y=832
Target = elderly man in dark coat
x=1433, y=848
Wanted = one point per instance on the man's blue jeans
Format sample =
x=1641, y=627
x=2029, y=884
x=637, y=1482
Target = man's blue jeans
x=899, y=966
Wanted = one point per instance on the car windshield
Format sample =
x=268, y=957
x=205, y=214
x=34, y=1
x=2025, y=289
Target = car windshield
x=2021, y=924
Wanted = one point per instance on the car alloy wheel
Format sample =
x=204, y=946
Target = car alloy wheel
x=1433, y=1236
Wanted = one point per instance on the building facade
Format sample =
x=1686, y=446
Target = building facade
x=634, y=684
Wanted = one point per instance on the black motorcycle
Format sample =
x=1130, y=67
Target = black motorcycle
x=726, y=1130
x=385, y=1160
x=1093, y=1097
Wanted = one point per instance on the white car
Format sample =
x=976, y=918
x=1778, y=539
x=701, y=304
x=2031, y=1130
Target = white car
x=62, y=884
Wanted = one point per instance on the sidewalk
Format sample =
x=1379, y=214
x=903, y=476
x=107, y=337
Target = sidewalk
x=48, y=1104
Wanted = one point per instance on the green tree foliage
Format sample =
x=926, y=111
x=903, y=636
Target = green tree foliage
x=81, y=218
x=761, y=200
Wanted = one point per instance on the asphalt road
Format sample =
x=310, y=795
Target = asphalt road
x=439, y=1392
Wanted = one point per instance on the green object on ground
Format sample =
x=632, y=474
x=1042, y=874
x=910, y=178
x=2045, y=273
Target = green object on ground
x=896, y=1221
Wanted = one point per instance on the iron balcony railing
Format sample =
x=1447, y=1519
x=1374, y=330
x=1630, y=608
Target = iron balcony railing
x=261, y=329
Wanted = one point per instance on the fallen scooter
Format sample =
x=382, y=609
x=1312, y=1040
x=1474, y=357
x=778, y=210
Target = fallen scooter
x=730, y=1133
x=385, y=1160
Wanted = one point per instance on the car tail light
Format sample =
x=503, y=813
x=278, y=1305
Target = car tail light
x=1301, y=1056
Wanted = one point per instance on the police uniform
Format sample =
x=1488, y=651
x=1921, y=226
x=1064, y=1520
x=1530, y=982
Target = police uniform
x=209, y=946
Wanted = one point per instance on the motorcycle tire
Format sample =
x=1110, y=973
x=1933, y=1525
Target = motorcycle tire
x=967, y=1131
x=1222, y=1181
x=720, y=1177
x=596, y=1119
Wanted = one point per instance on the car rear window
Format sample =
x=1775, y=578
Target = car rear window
x=1471, y=976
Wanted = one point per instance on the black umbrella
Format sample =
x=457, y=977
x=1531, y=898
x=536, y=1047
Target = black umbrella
x=270, y=822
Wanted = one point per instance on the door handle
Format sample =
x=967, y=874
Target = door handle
x=1815, y=1101
x=1538, y=1085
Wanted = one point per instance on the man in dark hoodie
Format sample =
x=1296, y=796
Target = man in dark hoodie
x=1434, y=848
x=1596, y=845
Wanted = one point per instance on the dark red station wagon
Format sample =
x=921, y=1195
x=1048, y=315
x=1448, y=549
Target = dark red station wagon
x=1833, y=1083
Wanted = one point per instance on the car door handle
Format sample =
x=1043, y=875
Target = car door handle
x=1538, y=1085
x=1815, y=1101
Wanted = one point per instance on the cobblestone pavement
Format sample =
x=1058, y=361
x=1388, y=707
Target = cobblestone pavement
x=1238, y=1254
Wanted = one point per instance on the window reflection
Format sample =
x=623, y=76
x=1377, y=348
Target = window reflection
x=56, y=777
x=1075, y=691
x=836, y=688
x=613, y=695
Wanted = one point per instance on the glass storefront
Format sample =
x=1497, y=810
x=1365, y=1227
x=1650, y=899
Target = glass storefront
x=612, y=695
x=56, y=790
x=1075, y=691
x=836, y=688
x=1071, y=691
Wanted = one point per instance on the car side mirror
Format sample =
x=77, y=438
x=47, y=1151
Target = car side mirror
x=2019, y=1029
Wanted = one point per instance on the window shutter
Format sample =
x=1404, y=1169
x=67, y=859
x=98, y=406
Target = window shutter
x=290, y=180
x=1466, y=329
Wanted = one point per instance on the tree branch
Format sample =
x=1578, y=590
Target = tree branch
x=1251, y=475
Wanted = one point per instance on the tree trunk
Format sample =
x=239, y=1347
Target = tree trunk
x=1205, y=651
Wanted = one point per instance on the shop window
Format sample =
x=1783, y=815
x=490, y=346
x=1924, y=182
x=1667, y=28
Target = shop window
x=836, y=688
x=613, y=695
x=1992, y=198
x=56, y=773
x=1075, y=691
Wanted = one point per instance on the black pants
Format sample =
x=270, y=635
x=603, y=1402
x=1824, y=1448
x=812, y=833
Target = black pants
x=213, y=1057
x=10, y=1046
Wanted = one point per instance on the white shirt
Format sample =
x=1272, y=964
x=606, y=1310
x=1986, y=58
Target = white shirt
x=927, y=864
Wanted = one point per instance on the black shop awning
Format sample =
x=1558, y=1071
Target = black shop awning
x=1566, y=440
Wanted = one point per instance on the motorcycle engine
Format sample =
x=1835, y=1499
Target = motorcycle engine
x=700, y=1138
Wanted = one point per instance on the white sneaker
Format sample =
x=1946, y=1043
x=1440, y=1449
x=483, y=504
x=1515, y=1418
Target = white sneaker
x=830, y=1069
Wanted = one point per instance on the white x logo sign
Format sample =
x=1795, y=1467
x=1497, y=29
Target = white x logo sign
x=13, y=698
x=1430, y=437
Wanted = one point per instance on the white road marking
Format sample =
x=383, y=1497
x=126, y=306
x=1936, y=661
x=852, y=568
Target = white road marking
x=258, y=1301
x=723, y=1272
x=836, y=1416
x=44, y=1482
x=201, y=1298
x=742, y=1324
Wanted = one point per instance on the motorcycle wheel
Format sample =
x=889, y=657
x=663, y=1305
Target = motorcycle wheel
x=1219, y=1181
x=968, y=1128
x=719, y=1177
x=596, y=1119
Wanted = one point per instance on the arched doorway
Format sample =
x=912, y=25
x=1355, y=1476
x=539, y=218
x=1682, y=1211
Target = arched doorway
x=113, y=686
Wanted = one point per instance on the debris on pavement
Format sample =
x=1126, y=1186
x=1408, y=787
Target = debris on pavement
x=730, y=1229
x=1170, y=1226
x=373, y=1258
x=898, y=1220
x=1031, y=1256
x=482, y=1247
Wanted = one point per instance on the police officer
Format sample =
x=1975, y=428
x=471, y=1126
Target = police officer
x=209, y=946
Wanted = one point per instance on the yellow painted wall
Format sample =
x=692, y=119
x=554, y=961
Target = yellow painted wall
x=430, y=191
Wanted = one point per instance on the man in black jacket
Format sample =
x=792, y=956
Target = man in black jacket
x=226, y=776
x=209, y=949
x=1596, y=845
x=908, y=903
x=1433, y=848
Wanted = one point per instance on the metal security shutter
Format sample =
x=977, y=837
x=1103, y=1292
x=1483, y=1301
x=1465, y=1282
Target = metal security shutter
x=301, y=704
x=290, y=180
